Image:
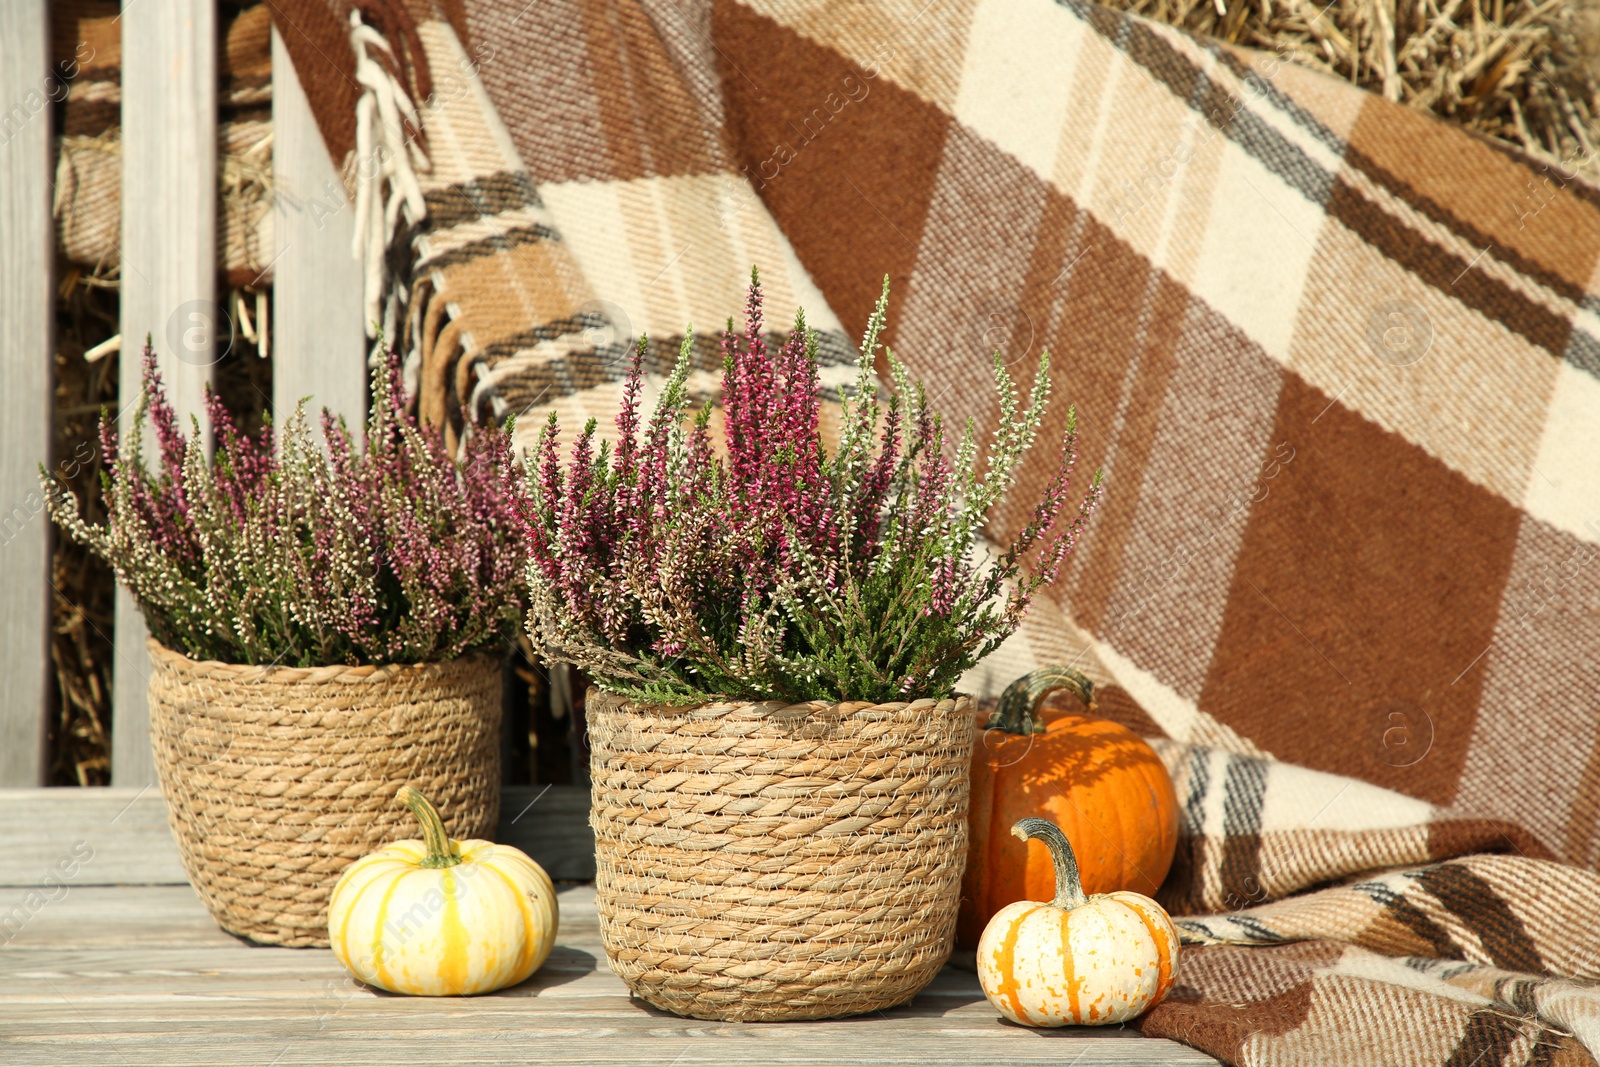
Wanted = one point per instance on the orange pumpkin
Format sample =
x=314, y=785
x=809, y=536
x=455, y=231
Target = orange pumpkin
x=1107, y=790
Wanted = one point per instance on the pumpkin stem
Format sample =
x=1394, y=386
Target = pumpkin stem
x=441, y=850
x=1069, y=886
x=1015, y=712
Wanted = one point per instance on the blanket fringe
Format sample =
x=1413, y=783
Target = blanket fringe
x=388, y=194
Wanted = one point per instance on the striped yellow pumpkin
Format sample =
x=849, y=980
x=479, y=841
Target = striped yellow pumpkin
x=440, y=917
x=1078, y=960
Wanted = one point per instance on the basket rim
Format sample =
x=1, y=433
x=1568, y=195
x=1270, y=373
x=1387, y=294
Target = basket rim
x=164, y=658
x=621, y=702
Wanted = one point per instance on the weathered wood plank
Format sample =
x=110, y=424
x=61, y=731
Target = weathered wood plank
x=169, y=271
x=551, y=824
x=89, y=977
x=314, y=1041
x=319, y=343
x=166, y=922
x=124, y=835
x=163, y=918
x=27, y=314
x=105, y=836
x=132, y=759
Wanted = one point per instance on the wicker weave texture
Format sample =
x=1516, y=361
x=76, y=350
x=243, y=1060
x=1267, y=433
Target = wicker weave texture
x=276, y=778
x=763, y=861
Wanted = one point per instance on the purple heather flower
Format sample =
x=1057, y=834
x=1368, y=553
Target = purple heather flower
x=773, y=568
x=288, y=551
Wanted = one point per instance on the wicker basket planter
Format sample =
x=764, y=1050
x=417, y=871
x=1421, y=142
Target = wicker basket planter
x=763, y=862
x=276, y=777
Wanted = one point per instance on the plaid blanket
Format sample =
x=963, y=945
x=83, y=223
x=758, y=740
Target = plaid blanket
x=1338, y=360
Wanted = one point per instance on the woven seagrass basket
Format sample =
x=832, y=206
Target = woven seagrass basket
x=763, y=861
x=276, y=778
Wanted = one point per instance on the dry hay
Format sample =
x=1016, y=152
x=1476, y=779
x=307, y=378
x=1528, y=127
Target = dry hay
x=1520, y=71
x=82, y=587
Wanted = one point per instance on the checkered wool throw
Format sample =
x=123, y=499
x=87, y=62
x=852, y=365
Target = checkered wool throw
x=1338, y=360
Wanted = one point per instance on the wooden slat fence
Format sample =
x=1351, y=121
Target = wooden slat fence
x=27, y=315
x=169, y=292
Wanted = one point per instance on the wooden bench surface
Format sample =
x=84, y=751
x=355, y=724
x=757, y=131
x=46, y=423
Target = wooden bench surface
x=133, y=975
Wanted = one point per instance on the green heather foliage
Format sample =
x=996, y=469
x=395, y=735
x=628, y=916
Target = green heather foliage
x=306, y=553
x=670, y=573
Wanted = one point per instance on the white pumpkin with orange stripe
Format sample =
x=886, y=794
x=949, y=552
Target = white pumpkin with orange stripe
x=440, y=917
x=1078, y=960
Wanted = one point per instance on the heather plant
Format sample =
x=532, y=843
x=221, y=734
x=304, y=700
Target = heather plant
x=286, y=549
x=673, y=571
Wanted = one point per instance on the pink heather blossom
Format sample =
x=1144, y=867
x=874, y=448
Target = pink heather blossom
x=783, y=571
x=278, y=549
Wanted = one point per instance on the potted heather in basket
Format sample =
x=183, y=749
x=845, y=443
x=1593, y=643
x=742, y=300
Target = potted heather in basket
x=776, y=628
x=324, y=616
